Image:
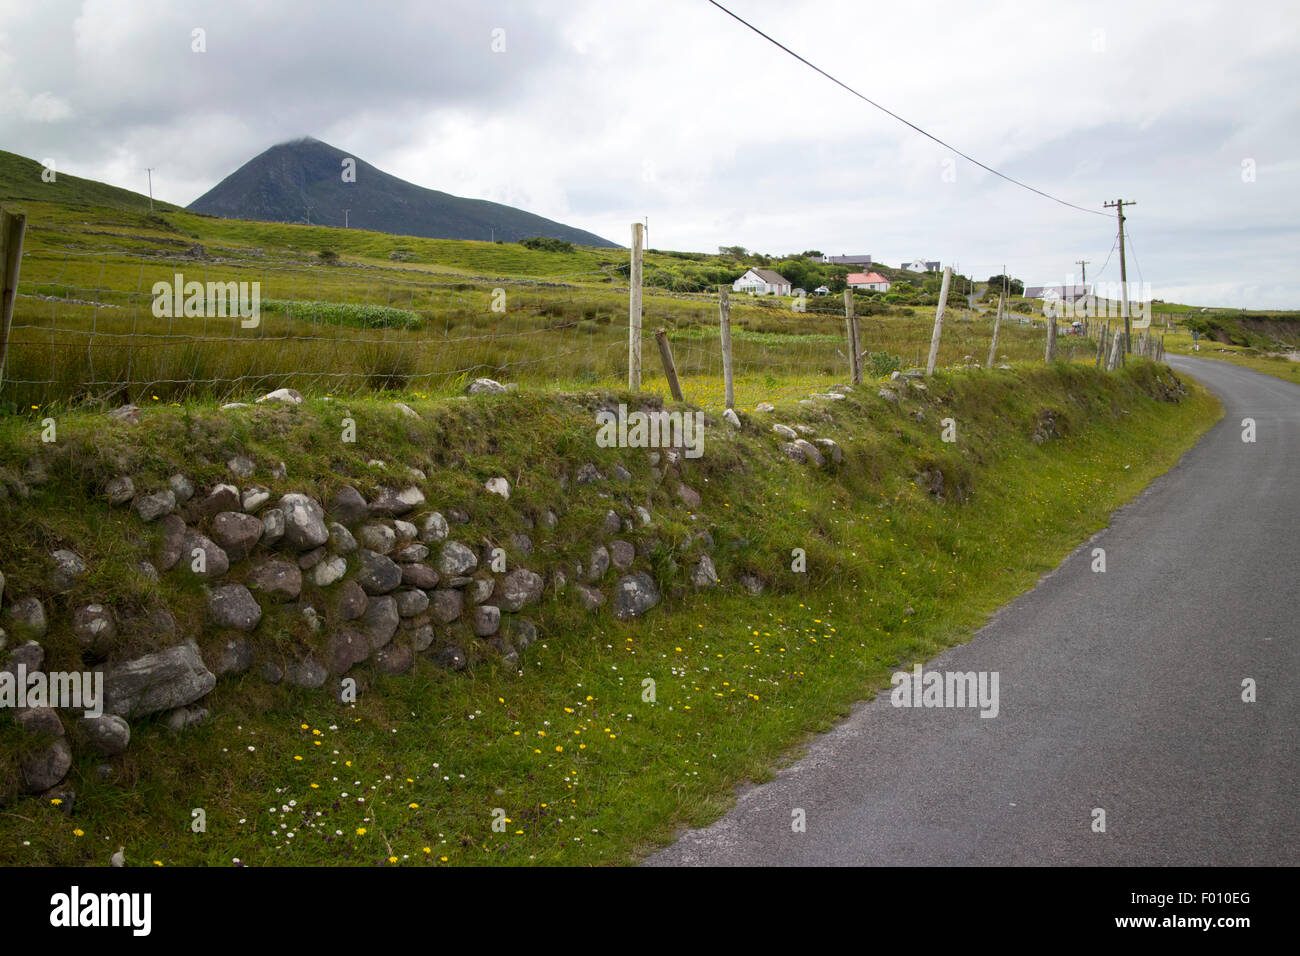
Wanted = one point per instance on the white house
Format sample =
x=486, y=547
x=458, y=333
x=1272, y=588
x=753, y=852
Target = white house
x=921, y=265
x=868, y=280
x=762, y=282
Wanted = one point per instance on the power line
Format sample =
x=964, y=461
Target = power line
x=872, y=102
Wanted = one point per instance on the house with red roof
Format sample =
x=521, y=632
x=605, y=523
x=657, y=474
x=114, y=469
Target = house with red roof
x=868, y=280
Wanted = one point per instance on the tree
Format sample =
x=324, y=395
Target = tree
x=1014, y=286
x=736, y=252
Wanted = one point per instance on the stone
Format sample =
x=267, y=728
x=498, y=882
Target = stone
x=620, y=474
x=183, y=718
x=378, y=538
x=353, y=601
x=805, y=430
x=306, y=673
x=406, y=410
x=730, y=417
x=221, y=498
x=452, y=658
x=272, y=527
x=550, y=519
x=155, y=682
x=236, y=533
x=830, y=448
x=107, y=733
x=611, y=524
x=346, y=648
x=751, y=583
x=810, y=452
x=634, y=594
x=396, y=503
x=502, y=645
x=794, y=452
x=597, y=564
x=888, y=395
x=153, y=506
x=621, y=554
x=764, y=407
x=588, y=473
x=328, y=571
x=126, y=414
x=518, y=589
x=521, y=632
x=286, y=396
x=29, y=654
x=643, y=515
x=94, y=628
x=434, y=528
x=785, y=431
x=498, y=486
x=232, y=605
x=377, y=573
x=458, y=515
x=412, y=554
x=279, y=580
x=395, y=658
x=25, y=619
x=479, y=589
x=446, y=605
x=380, y=620
x=119, y=490
x=590, y=597
x=181, y=487
x=422, y=637
x=235, y=656
x=173, y=541
x=254, y=497
x=485, y=619
x=341, y=540
x=419, y=576
x=304, y=522
x=348, y=506
x=485, y=386
x=704, y=575
x=69, y=568
x=405, y=531
x=241, y=466
x=689, y=496
x=215, y=563
x=43, y=767
x=412, y=603
x=271, y=672
x=456, y=559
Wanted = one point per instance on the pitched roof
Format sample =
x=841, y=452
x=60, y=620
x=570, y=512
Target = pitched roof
x=770, y=277
x=860, y=278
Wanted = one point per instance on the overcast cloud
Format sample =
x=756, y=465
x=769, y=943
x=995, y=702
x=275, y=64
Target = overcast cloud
x=600, y=113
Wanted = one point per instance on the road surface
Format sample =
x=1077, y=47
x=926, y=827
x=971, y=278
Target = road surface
x=1118, y=691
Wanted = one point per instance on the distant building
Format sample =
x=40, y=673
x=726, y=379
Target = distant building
x=869, y=280
x=921, y=265
x=1067, y=293
x=762, y=282
x=821, y=290
x=846, y=260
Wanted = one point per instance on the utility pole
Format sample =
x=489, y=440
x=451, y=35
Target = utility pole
x=1118, y=205
x=150, y=170
x=345, y=217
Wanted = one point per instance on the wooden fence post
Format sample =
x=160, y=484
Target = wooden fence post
x=938, y=321
x=1101, y=348
x=634, y=312
x=997, y=324
x=851, y=331
x=12, y=228
x=670, y=370
x=1116, y=351
x=1050, y=354
x=724, y=315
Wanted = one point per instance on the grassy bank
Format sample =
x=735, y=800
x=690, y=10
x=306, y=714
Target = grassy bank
x=583, y=767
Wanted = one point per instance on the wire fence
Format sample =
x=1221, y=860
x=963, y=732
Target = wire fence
x=114, y=327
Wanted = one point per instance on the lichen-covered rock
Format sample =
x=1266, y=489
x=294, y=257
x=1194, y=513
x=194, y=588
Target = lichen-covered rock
x=231, y=605
x=751, y=583
x=786, y=432
x=622, y=554
x=203, y=557
x=346, y=648
x=254, y=497
x=810, y=452
x=348, y=506
x=597, y=564
x=446, y=605
x=479, y=589
x=341, y=539
x=304, y=522
x=518, y=589
x=272, y=527
x=278, y=579
x=704, y=575
x=729, y=416
x=397, y=503
x=119, y=490
x=412, y=602
x=352, y=601
x=456, y=560
x=419, y=576
x=153, y=506
x=236, y=533
x=285, y=396
x=235, y=656
x=589, y=597
x=380, y=620
x=794, y=452
x=241, y=466
x=69, y=568
x=94, y=628
x=306, y=673
x=588, y=473
x=689, y=496
x=485, y=619
x=395, y=658
x=44, y=766
x=830, y=448
x=328, y=571
x=377, y=573
x=110, y=734
x=411, y=554
x=25, y=619
x=434, y=528
x=610, y=523
x=634, y=594
x=485, y=386
x=378, y=538
x=498, y=486
x=181, y=487
x=156, y=682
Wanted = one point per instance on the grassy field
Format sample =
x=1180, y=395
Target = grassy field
x=1180, y=342
x=582, y=766
x=444, y=313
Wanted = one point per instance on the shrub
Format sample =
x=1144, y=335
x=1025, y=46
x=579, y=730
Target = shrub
x=546, y=244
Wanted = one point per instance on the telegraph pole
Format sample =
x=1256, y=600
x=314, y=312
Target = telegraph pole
x=1118, y=205
x=150, y=170
x=345, y=217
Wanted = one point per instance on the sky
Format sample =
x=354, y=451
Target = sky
x=599, y=114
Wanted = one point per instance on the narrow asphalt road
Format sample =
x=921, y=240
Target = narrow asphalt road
x=1119, y=691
